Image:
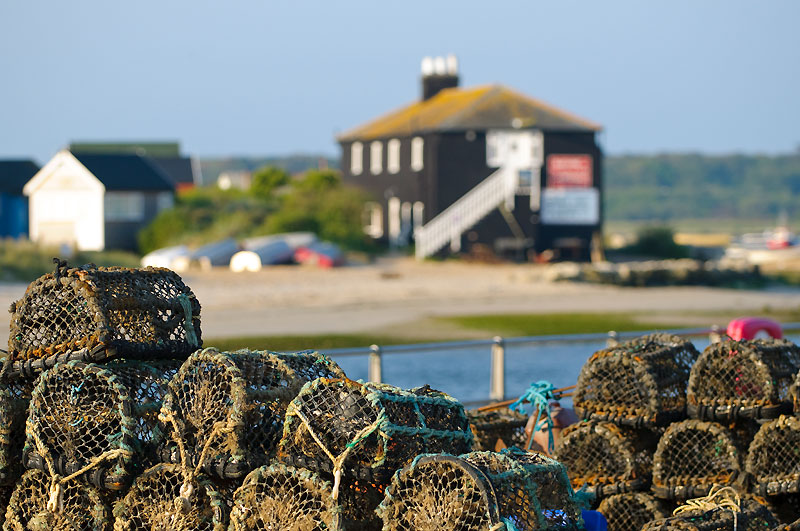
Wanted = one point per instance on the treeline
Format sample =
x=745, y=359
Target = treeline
x=664, y=188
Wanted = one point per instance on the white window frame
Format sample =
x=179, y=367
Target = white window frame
x=393, y=156
x=417, y=149
x=356, y=158
x=376, y=157
x=373, y=219
x=123, y=206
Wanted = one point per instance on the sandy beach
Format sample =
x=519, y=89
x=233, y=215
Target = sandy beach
x=397, y=295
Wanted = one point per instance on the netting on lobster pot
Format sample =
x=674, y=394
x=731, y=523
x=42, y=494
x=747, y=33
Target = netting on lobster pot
x=163, y=497
x=745, y=515
x=368, y=430
x=692, y=456
x=606, y=459
x=511, y=490
x=630, y=511
x=638, y=383
x=489, y=427
x=773, y=459
x=14, y=399
x=743, y=379
x=36, y=506
x=795, y=392
x=224, y=411
x=5, y=495
x=96, y=423
x=283, y=497
x=97, y=313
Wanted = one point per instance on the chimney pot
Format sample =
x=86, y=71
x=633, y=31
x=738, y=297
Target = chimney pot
x=452, y=65
x=427, y=66
x=439, y=66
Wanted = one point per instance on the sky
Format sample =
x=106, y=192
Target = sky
x=259, y=78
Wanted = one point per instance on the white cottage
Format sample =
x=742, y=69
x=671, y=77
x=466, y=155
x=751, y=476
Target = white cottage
x=96, y=201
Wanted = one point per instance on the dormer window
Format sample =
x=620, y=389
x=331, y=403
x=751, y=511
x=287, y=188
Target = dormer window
x=376, y=157
x=417, y=145
x=356, y=158
x=393, y=156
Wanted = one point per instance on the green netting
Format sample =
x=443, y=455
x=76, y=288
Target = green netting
x=490, y=427
x=638, y=383
x=693, y=456
x=511, y=490
x=95, y=313
x=283, y=497
x=606, y=459
x=164, y=498
x=14, y=398
x=752, y=516
x=96, y=422
x=224, y=410
x=630, y=511
x=33, y=507
x=773, y=460
x=743, y=379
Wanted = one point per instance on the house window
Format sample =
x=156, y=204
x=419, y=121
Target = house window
x=124, y=206
x=356, y=158
x=416, y=153
x=376, y=157
x=373, y=219
x=393, y=156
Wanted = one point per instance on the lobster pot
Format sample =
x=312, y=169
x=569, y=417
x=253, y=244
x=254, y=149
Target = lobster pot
x=773, y=460
x=480, y=491
x=786, y=508
x=96, y=313
x=370, y=430
x=638, y=383
x=505, y=425
x=5, y=495
x=226, y=409
x=692, y=456
x=630, y=511
x=795, y=392
x=78, y=506
x=162, y=498
x=283, y=497
x=14, y=399
x=96, y=417
x=606, y=459
x=753, y=516
x=743, y=379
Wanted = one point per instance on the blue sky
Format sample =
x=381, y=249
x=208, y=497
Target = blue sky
x=241, y=77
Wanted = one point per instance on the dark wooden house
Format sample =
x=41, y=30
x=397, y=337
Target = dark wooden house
x=13, y=203
x=478, y=168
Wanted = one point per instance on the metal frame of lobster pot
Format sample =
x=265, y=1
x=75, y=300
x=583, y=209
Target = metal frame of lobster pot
x=96, y=314
x=639, y=383
x=631, y=510
x=508, y=490
x=743, y=380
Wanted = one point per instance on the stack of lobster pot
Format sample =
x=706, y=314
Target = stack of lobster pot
x=101, y=343
x=737, y=389
x=744, y=515
x=497, y=429
x=627, y=394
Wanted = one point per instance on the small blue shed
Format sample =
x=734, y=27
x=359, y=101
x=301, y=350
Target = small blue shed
x=13, y=204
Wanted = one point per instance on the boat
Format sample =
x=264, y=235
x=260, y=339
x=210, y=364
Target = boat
x=320, y=254
x=772, y=245
x=269, y=250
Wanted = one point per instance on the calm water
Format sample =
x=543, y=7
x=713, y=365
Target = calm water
x=464, y=373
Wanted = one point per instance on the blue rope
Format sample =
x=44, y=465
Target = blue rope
x=509, y=524
x=539, y=395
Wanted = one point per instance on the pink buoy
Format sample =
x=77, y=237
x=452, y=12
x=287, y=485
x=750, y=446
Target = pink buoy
x=748, y=327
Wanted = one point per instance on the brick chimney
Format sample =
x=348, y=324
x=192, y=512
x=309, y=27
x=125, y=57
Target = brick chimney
x=438, y=73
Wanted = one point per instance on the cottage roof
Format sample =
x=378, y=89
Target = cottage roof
x=478, y=108
x=178, y=168
x=14, y=174
x=126, y=172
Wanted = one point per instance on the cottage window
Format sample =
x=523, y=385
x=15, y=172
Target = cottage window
x=417, y=145
x=124, y=206
x=373, y=219
x=356, y=158
x=376, y=157
x=393, y=156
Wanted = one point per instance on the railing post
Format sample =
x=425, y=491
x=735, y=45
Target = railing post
x=497, y=385
x=375, y=364
x=714, y=336
x=612, y=340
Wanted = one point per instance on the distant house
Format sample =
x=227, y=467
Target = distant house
x=483, y=166
x=95, y=202
x=13, y=203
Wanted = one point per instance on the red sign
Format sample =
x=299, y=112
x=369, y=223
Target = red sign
x=569, y=171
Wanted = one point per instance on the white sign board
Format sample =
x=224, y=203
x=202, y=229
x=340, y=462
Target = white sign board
x=570, y=206
x=514, y=149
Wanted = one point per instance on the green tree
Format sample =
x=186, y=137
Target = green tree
x=266, y=179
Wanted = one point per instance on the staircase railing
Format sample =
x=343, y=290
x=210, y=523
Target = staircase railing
x=452, y=222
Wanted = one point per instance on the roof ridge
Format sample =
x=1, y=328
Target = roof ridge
x=556, y=110
x=489, y=91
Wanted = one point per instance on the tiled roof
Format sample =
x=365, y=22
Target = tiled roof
x=126, y=172
x=14, y=174
x=479, y=108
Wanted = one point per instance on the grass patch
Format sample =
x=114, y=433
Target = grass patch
x=24, y=261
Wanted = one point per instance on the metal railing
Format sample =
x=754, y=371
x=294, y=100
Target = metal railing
x=498, y=345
